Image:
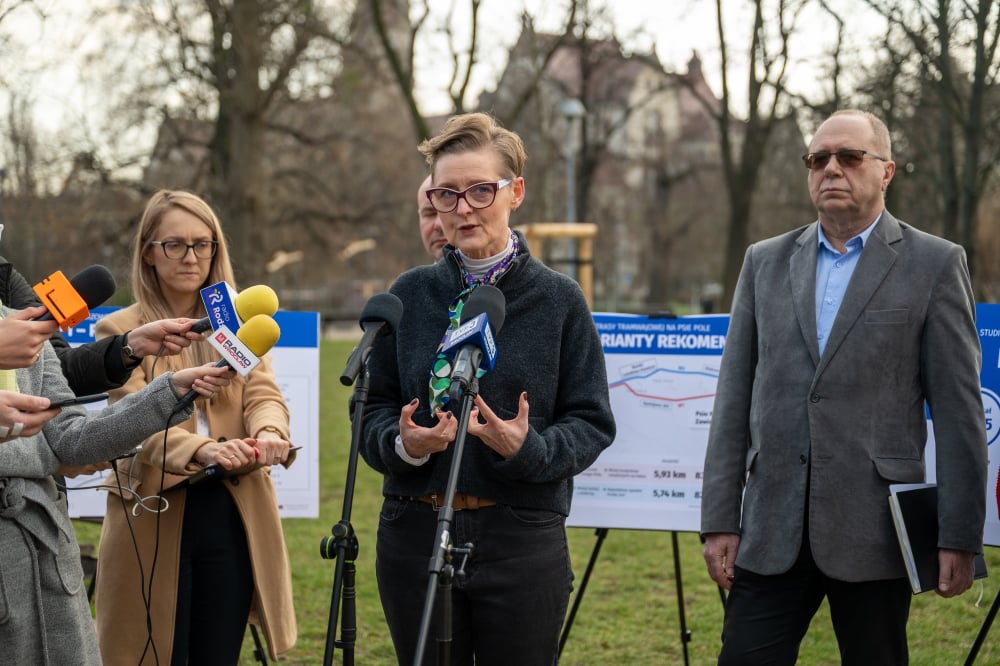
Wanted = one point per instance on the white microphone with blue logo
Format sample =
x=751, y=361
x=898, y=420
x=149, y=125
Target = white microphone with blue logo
x=473, y=343
x=227, y=308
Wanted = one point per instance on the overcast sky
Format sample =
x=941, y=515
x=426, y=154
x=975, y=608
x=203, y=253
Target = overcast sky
x=674, y=28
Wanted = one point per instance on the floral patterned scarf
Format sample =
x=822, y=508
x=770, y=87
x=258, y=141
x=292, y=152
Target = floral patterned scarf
x=440, y=376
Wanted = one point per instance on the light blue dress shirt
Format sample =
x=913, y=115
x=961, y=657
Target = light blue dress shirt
x=833, y=274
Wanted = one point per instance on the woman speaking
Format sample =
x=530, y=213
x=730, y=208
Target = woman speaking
x=542, y=415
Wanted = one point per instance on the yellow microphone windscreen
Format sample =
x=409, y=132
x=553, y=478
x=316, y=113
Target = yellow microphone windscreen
x=256, y=300
x=259, y=333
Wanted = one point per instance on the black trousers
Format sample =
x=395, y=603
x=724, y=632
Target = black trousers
x=507, y=609
x=767, y=616
x=215, y=581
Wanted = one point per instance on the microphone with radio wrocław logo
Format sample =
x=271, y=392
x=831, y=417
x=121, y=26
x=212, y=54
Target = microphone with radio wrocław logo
x=240, y=350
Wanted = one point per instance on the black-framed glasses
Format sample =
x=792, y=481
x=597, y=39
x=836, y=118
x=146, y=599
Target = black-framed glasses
x=480, y=195
x=203, y=249
x=849, y=158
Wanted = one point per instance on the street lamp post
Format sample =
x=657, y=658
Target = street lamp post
x=572, y=110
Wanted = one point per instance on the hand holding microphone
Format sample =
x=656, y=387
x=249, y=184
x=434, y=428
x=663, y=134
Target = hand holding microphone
x=203, y=380
x=65, y=303
x=256, y=300
x=240, y=352
x=22, y=336
x=164, y=336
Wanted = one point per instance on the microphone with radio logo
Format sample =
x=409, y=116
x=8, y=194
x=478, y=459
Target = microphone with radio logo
x=225, y=307
x=241, y=350
x=473, y=343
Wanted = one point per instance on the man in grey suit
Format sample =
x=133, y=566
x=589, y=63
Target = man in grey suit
x=840, y=332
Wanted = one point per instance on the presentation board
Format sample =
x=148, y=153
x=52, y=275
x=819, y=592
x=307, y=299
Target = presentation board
x=662, y=375
x=296, y=368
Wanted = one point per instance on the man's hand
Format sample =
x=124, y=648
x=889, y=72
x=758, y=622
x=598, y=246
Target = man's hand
x=956, y=569
x=720, y=556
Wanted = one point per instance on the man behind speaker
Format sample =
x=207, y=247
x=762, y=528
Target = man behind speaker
x=840, y=331
x=431, y=231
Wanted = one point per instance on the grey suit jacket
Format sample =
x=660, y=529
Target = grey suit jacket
x=793, y=432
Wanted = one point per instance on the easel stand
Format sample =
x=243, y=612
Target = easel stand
x=441, y=569
x=343, y=545
x=601, y=533
x=983, y=631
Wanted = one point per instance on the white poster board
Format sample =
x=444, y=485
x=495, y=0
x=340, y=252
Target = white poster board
x=662, y=375
x=296, y=367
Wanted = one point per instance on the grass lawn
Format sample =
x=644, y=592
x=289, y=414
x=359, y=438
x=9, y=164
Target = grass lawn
x=629, y=614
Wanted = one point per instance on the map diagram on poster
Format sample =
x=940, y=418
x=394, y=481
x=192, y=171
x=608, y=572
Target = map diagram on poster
x=662, y=375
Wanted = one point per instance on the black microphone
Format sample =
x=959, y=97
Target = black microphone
x=482, y=318
x=379, y=317
x=93, y=285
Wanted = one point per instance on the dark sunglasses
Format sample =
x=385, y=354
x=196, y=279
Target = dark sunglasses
x=846, y=157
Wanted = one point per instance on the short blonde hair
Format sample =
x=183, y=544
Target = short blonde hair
x=474, y=131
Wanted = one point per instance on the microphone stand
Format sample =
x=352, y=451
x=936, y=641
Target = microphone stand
x=343, y=545
x=441, y=568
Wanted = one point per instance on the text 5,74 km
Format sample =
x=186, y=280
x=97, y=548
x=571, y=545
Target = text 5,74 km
x=989, y=332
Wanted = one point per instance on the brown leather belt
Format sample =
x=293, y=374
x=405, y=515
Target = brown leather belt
x=462, y=501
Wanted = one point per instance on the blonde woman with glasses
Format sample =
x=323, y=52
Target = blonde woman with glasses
x=217, y=546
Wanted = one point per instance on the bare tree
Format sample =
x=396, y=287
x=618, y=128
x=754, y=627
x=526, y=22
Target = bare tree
x=767, y=103
x=956, y=47
x=232, y=65
x=463, y=57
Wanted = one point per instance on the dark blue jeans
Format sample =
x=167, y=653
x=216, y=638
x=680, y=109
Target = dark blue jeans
x=509, y=606
x=767, y=616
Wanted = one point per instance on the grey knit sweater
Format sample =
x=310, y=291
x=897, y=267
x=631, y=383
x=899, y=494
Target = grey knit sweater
x=548, y=346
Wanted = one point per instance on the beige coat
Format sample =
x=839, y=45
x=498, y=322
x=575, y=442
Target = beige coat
x=121, y=616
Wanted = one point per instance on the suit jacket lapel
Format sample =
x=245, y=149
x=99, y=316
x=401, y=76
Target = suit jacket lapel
x=802, y=277
x=876, y=260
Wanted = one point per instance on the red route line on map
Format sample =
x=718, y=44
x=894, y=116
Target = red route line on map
x=658, y=397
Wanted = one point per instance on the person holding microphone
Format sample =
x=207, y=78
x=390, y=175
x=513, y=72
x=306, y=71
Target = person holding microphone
x=217, y=545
